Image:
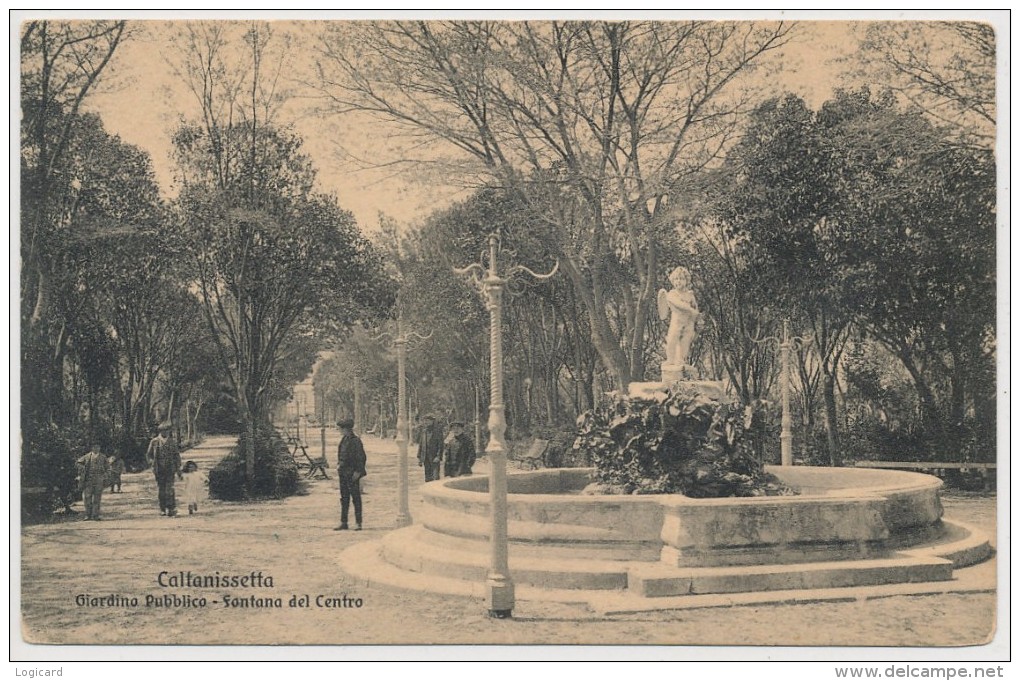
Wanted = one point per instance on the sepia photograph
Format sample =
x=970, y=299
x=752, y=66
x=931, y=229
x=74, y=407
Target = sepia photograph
x=664, y=333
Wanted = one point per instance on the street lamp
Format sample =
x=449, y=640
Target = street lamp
x=400, y=341
x=357, y=403
x=786, y=345
x=499, y=585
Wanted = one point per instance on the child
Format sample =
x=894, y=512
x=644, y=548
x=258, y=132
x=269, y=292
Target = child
x=192, y=486
x=116, y=469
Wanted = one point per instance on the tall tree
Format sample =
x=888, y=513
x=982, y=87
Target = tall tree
x=590, y=124
x=274, y=259
x=944, y=68
x=61, y=64
x=862, y=214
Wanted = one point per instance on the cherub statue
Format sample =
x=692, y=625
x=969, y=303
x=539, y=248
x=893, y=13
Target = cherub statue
x=682, y=308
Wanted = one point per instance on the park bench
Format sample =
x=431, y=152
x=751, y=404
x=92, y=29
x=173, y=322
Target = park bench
x=534, y=457
x=937, y=468
x=304, y=461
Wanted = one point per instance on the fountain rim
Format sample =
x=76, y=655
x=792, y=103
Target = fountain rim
x=896, y=482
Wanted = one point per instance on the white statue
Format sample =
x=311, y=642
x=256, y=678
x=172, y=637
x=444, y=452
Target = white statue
x=682, y=308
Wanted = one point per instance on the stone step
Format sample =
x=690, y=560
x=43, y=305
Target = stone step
x=656, y=580
x=414, y=549
x=537, y=540
x=420, y=551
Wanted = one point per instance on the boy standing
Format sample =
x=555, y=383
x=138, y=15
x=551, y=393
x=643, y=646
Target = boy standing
x=350, y=468
x=93, y=468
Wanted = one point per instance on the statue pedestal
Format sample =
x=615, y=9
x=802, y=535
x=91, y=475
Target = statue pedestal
x=657, y=390
x=674, y=373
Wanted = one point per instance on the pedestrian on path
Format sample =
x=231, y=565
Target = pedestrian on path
x=460, y=451
x=192, y=486
x=166, y=464
x=350, y=469
x=93, y=469
x=430, y=447
x=116, y=470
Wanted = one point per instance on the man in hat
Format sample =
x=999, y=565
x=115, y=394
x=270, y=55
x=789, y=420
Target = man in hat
x=456, y=452
x=350, y=469
x=166, y=464
x=93, y=469
x=430, y=447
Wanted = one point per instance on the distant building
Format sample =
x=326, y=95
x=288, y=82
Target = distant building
x=305, y=400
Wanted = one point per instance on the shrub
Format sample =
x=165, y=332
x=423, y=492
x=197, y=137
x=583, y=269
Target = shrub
x=48, y=471
x=687, y=443
x=276, y=474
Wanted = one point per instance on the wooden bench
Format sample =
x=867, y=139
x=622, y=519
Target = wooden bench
x=534, y=458
x=937, y=467
x=305, y=461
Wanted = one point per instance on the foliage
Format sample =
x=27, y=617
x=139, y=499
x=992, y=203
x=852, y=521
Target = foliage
x=48, y=464
x=589, y=125
x=276, y=474
x=945, y=69
x=687, y=443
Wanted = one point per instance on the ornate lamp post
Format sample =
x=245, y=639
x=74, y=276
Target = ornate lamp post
x=357, y=402
x=400, y=341
x=499, y=585
x=786, y=345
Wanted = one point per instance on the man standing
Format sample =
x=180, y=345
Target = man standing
x=166, y=464
x=430, y=448
x=460, y=452
x=93, y=469
x=350, y=469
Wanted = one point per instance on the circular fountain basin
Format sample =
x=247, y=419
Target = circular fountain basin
x=839, y=514
x=846, y=527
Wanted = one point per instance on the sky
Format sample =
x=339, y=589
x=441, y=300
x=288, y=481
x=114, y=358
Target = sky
x=142, y=101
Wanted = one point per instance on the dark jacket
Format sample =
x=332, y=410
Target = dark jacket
x=460, y=455
x=350, y=456
x=430, y=443
x=166, y=460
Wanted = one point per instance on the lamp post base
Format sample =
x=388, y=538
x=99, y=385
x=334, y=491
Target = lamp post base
x=500, y=596
x=403, y=520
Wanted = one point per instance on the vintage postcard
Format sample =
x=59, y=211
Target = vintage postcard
x=668, y=331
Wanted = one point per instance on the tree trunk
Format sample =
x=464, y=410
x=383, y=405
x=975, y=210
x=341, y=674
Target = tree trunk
x=929, y=406
x=831, y=421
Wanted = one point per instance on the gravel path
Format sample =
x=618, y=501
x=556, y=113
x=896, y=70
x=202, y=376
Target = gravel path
x=293, y=542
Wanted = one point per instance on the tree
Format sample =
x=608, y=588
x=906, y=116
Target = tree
x=274, y=260
x=863, y=215
x=61, y=63
x=917, y=243
x=589, y=124
x=944, y=68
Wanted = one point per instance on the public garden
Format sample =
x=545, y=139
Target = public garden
x=627, y=245
x=293, y=540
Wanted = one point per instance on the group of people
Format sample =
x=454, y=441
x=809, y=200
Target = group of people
x=454, y=453
x=97, y=471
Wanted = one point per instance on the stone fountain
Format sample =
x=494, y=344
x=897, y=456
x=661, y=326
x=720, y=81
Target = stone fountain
x=845, y=527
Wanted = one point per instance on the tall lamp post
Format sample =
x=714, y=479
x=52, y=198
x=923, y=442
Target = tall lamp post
x=786, y=345
x=499, y=585
x=357, y=402
x=400, y=341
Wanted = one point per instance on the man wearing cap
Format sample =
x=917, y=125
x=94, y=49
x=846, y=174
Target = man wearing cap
x=166, y=464
x=350, y=469
x=459, y=451
x=430, y=448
